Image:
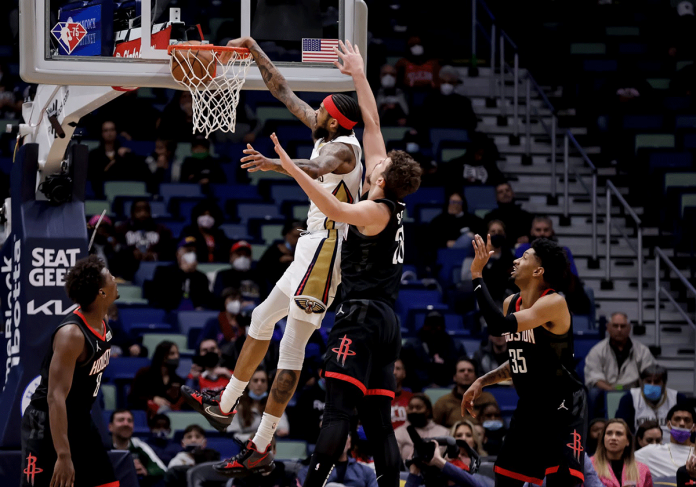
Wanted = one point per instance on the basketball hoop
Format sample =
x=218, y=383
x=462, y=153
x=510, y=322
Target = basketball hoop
x=214, y=75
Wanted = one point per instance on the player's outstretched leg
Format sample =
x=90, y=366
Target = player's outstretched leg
x=220, y=410
x=257, y=457
x=341, y=400
x=375, y=416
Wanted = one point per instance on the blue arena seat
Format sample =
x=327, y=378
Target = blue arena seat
x=157, y=208
x=140, y=316
x=480, y=198
x=227, y=447
x=505, y=396
x=180, y=190
x=448, y=259
x=582, y=346
x=194, y=319
x=265, y=211
x=146, y=271
x=238, y=192
x=424, y=195
x=235, y=231
x=283, y=192
x=124, y=368
x=439, y=135
x=415, y=299
x=670, y=160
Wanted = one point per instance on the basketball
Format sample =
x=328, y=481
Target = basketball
x=191, y=66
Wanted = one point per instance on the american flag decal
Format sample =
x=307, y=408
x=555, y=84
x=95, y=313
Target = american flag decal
x=319, y=50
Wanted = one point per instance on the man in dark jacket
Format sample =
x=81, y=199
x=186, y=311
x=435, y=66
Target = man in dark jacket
x=517, y=221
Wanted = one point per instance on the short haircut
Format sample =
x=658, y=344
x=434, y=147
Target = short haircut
x=139, y=200
x=464, y=358
x=194, y=427
x=542, y=218
x=648, y=425
x=230, y=292
x=349, y=108
x=83, y=281
x=654, y=370
x=493, y=222
x=681, y=407
x=426, y=400
x=403, y=176
x=554, y=261
x=152, y=422
x=619, y=313
x=119, y=411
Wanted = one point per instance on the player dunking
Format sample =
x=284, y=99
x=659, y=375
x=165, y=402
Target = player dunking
x=61, y=446
x=365, y=341
x=548, y=428
x=309, y=285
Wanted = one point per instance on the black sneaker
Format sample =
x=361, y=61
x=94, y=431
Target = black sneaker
x=209, y=407
x=247, y=462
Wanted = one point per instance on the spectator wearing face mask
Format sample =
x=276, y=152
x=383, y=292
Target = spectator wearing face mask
x=181, y=286
x=445, y=108
x=650, y=401
x=249, y=281
x=229, y=328
x=159, y=439
x=542, y=227
x=478, y=166
x=517, y=221
x=492, y=421
x=250, y=409
x=278, y=256
x=417, y=69
x=194, y=444
x=391, y=100
x=143, y=239
x=163, y=163
x=201, y=167
x=648, y=433
x=664, y=460
x=419, y=413
x=497, y=272
x=207, y=375
x=211, y=242
x=156, y=387
x=453, y=224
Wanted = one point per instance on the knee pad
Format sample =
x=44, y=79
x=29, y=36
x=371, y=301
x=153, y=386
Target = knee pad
x=293, y=344
x=267, y=314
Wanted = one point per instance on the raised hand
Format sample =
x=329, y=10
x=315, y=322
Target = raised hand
x=353, y=63
x=285, y=160
x=482, y=252
x=255, y=161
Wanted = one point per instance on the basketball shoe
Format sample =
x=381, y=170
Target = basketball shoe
x=209, y=407
x=247, y=462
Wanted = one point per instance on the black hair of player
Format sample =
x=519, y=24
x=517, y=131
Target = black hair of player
x=349, y=107
x=681, y=407
x=161, y=353
x=118, y=411
x=554, y=261
x=83, y=281
x=194, y=427
x=402, y=177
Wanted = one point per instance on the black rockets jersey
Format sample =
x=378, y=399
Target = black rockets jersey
x=540, y=361
x=87, y=376
x=371, y=266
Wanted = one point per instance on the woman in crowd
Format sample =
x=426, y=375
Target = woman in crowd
x=614, y=460
x=156, y=387
x=648, y=433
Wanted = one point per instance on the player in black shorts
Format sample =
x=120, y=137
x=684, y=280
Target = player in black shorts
x=548, y=428
x=61, y=446
x=366, y=339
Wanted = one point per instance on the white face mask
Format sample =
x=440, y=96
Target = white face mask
x=233, y=307
x=412, y=147
x=417, y=50
x=446, y=89
x=189, y=258
x=206, y=221
x=388, y=81
x=242, y=263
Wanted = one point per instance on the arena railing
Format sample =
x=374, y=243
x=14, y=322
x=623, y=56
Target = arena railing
x=661, y=291
x=551, y=129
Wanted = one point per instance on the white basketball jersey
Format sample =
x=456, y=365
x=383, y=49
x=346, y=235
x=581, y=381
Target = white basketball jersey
x=645, y=413
x=346, y=187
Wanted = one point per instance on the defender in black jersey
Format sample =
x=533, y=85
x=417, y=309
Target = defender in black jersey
x=60, y=443
x=365, y=340
x=548, y=429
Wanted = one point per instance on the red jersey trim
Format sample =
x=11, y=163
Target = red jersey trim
x=352, y=380
x=102, y=337
x=518, y=476
x=519, y=300
x=110, y=484
x=380, y=392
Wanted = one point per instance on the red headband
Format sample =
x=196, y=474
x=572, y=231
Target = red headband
x=343, y=121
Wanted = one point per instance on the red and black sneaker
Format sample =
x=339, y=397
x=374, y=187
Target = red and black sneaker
x=209, y=407
x=247, y=462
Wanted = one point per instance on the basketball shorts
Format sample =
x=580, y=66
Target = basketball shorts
x=546, y=438
x=90, y=459
x=312, y=278
x=363, y=346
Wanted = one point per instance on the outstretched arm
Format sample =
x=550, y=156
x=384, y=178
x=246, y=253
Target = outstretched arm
x=331, y=156
x=368, y=214
x=276, y=82
x=373, y=142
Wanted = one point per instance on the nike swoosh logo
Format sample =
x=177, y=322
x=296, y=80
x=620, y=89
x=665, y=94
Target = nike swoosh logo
x=253, y=464
x=477, y=288
x=208, y=410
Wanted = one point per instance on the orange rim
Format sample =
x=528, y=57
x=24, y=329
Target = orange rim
x=243, y=51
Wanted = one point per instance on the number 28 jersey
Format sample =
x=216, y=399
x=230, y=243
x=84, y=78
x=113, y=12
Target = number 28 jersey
x=540, y=361
x=371, y=266
x=87, y=375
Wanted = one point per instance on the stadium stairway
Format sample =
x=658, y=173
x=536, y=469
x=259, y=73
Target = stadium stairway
x=532, y=183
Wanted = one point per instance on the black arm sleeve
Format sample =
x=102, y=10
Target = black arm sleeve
x=498, y=324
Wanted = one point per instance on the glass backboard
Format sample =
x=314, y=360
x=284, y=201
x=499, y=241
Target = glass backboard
x=102, y=42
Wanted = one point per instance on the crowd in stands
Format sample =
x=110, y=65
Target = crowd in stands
x=197, y=251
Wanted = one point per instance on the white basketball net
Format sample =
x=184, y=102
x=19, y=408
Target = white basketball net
x=216, y=94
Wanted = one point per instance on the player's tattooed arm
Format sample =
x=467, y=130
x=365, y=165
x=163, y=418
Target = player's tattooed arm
x=331, y=158
x=500, y=374
x=276, y=82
